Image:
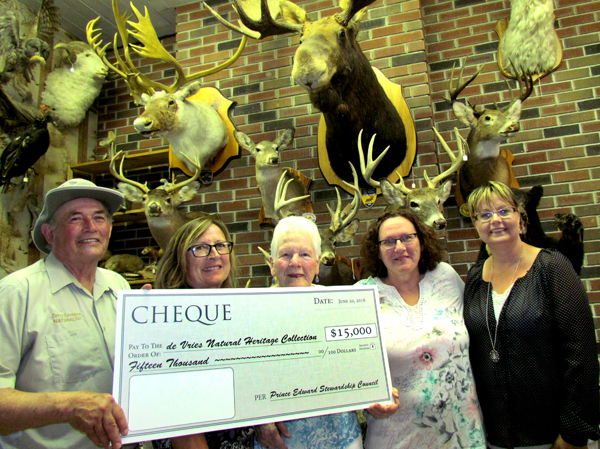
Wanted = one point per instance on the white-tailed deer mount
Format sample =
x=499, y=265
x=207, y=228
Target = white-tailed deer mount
x=425, y=201
x=528, y=43
x=268, y=173
x=488, y=129
x=161, y=205
x=334, y=269
x=193, y=128
x=340, y=82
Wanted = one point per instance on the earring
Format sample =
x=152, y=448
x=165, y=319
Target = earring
x=317, y=279
x=273, y=281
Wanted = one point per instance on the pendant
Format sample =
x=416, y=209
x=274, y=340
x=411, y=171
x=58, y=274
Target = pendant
x=494, y=356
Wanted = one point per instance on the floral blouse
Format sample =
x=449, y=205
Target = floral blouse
x=428, y=353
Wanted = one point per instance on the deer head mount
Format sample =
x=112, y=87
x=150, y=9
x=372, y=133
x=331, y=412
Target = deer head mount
x=426, y=201
x=488, y=129
x=273, y=192
x=161, y=205
x=330, y=65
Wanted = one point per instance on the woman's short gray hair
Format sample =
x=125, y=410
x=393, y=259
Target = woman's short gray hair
x=295, y=224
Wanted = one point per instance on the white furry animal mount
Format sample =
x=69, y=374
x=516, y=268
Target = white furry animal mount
x=528, y=42
x=74, y=84
x=193, y=128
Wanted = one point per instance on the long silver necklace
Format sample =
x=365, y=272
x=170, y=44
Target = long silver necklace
x=495, y=355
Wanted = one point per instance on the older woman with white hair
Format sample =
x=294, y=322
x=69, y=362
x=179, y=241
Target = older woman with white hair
x=295, y=255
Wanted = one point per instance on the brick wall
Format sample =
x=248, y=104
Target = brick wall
x=415, y=44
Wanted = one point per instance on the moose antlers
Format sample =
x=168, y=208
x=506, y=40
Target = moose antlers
x=150, y=47
x=258, y=17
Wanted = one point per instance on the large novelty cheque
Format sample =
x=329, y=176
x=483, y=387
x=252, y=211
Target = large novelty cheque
x=191, y=361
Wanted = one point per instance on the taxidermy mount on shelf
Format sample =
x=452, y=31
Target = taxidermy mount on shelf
x=193, y=128
x=340, y=81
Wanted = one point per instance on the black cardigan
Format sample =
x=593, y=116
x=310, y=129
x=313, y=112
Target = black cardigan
x=546, y=381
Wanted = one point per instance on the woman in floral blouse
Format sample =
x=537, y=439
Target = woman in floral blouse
x=427, y=342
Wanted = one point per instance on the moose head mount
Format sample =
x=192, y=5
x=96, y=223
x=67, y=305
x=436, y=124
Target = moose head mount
x=340, y=82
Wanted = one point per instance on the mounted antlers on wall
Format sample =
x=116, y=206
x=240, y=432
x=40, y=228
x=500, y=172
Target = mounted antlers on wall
x=341, y=83
x=426, y=201
x=488, y=129
x=194, y=128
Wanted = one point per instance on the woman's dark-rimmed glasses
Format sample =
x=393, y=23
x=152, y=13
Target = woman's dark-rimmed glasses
x=406, y=240
x=204, y=249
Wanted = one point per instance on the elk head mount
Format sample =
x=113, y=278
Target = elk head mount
x=341, y=83
x=488, y=129
x=425, y=201
x=195, y=129
x=161, y=205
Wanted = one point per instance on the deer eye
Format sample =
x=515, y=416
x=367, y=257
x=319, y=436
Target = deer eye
x=414, y=205
x=488, y=117
x=171, y=102
x=343, y=33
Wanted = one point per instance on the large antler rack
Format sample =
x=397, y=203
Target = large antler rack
x=368, y=168
x=266, y=25
x=457, y=160
x=121, y=177
x=280, y=201
x=150, y=47
x=338, y=221
x=169, y=187
x=351, y=8
x=455, y=92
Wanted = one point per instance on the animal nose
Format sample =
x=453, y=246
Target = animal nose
x=439, y=224
x=327, y=259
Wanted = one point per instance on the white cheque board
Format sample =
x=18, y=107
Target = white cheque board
x=192, y=361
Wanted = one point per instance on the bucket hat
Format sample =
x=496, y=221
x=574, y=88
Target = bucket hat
x=68, y=191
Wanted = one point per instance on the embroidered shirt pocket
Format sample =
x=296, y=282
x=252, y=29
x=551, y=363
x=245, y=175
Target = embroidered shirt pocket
x=74, y=355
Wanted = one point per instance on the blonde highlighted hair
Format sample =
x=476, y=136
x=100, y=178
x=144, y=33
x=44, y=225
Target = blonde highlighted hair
x=173, y=267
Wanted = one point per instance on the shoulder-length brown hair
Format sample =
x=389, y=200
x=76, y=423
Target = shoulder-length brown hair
x=431, y=249
x=173, y=267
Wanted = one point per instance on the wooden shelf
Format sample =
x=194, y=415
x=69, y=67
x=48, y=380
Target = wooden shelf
x=136, y=160
x=129, y=216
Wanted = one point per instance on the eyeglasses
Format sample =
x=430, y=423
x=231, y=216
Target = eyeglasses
x=204, y=249
x=406, y=240
x=502, y=213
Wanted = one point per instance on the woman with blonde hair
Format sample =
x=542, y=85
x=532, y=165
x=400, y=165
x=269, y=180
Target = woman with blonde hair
x=533, y=348
x=201, y=255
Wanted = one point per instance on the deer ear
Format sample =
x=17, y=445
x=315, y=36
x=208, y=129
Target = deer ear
x=244, y=141
x=130, y=192
x=292, y=13
x=514, y=111
x=285, y=139
x=444, y=191
x=391, y=195
x=464, y=113
x=348, y=232
x=187, y=193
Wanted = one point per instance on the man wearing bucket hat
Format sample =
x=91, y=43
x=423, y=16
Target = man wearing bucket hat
x=57, y=329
